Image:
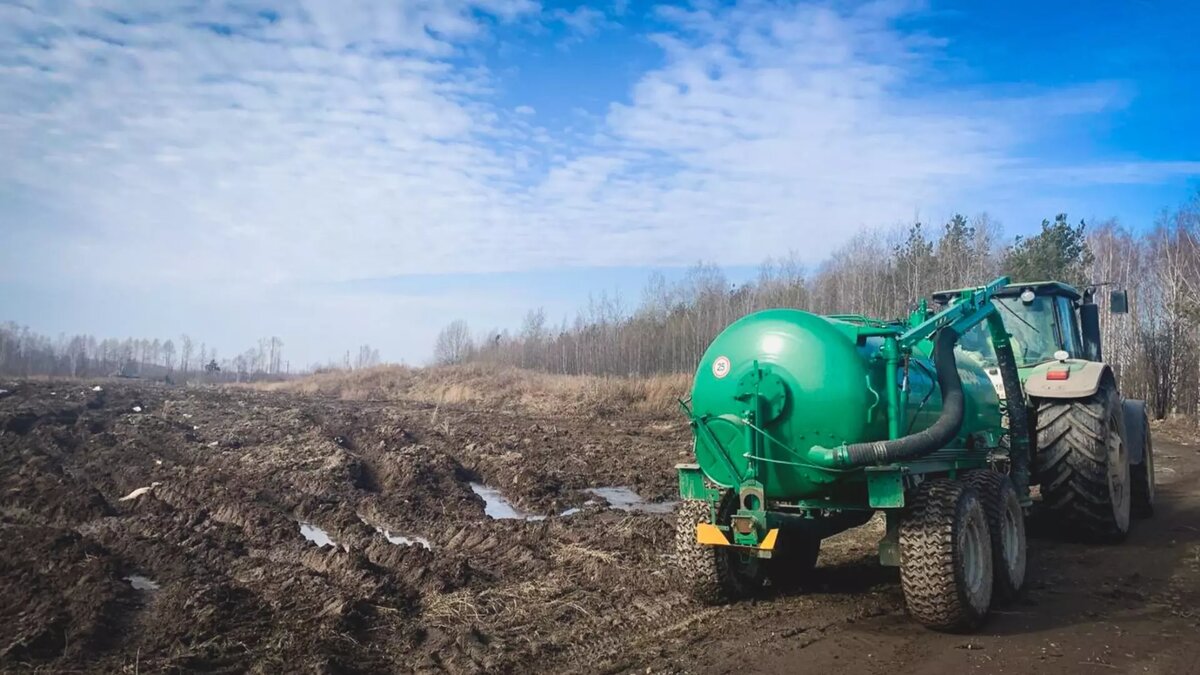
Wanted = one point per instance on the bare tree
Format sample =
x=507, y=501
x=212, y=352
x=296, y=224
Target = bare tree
x=185, y=356
x=367, y=357
x=168, y=350
x=454, y=343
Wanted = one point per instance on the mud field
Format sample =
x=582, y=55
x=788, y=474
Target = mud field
x=148, y=529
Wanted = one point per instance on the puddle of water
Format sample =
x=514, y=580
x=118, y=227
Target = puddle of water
x=402, y=540
x=571, y=512
x=316, y=535
x=141, y=583
x=625, y=499
x=139, y=492
x=496, y=506
x=398, y=539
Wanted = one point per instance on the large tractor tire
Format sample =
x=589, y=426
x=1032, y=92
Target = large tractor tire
x=1082, y=464
x=946, y=557
x=1006, y=524
x=1141, y=469
x=792, y=562
x=712, y=574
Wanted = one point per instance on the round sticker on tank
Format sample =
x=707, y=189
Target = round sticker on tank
x=720, y=367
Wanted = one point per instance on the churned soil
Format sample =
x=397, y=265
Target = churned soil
x=148, y=528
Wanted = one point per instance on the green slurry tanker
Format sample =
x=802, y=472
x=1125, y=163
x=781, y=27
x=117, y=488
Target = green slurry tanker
x=950, y=423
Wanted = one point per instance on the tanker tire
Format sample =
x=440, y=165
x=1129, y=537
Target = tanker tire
x=792, y=562
x=1006, y=523
x=710, y=574
x=946, y=557
x=1082, y=465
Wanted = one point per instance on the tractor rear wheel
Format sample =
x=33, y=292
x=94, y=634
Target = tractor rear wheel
x=1082, y=464
x=1006, y=523
x=792, y=562
x=712, y=574
x=946, y=557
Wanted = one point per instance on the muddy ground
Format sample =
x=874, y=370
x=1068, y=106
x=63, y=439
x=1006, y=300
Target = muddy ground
x=209, y=570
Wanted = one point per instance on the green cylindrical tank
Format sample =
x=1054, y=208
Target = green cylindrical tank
x=823, y=383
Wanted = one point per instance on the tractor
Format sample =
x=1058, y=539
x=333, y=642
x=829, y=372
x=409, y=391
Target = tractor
x=1093, y=459
x=955, y=423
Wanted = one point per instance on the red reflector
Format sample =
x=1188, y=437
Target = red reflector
x=1057, y=374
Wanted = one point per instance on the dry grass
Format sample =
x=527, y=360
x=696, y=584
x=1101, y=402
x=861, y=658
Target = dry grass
x=497, y=387
x=589, y=563
x=502, y=608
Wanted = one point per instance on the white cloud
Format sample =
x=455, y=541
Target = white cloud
x=325, y=143
x=1116, y=173
x=329, y=141
x=583, y=20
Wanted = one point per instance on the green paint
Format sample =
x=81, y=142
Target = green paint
x=779, y=392
x=691, y=483
x=885, y=487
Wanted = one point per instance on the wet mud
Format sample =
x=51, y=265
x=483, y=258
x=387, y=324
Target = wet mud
x=147, y=529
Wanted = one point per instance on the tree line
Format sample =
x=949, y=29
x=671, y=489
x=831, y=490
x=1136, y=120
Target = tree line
x=24, y=352
x=1155, y=349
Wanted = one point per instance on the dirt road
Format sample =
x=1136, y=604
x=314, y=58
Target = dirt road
x=148, y=528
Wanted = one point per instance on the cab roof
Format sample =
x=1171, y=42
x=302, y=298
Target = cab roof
x=1013, y=290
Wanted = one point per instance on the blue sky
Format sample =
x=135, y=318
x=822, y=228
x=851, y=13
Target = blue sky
x=337, y=173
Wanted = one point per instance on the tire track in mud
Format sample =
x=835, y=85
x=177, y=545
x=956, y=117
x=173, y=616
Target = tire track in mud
x=670, y=631
x=234, y=475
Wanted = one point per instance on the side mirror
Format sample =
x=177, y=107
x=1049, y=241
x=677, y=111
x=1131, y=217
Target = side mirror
x=1118, y=302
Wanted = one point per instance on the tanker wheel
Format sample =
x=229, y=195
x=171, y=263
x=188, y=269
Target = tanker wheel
x=712, y=574
x=1006, y=524
x=791, y=564
x=946, y=557
x=1141, y=475
x=1082, y=464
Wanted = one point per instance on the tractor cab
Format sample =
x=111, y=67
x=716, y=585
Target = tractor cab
x=1043, y=318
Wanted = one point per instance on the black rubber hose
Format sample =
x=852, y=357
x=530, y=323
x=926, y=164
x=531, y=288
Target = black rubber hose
x=1019, y=437
x=922, y=443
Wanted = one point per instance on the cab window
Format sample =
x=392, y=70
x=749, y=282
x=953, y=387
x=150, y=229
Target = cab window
x=1034, y=328
x=1072, y=342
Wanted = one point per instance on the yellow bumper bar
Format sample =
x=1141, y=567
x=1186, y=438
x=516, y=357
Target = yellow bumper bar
x=711, y=535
